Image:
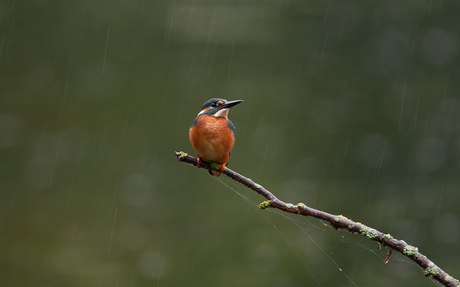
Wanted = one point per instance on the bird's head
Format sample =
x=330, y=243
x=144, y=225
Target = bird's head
x=218, y=107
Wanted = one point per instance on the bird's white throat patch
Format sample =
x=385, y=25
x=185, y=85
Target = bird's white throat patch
x=221, y=113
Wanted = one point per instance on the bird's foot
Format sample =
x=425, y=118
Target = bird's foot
x=198, y=162
x=222, y=167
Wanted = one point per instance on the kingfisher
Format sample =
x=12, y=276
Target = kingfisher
x=212, y=134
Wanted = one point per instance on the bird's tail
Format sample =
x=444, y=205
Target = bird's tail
x=213, y=172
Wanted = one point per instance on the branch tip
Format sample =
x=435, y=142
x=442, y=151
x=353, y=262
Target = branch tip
x=390, y=251
x=180, y=153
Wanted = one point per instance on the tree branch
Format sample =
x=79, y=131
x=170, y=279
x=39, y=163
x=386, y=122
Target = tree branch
x=337, y=221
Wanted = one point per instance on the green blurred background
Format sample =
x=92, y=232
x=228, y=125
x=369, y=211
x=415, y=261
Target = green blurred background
x=351, y=107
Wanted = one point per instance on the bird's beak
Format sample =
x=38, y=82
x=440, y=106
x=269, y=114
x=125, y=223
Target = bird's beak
x=230, y=104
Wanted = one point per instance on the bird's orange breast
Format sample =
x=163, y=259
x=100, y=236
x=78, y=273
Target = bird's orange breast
x=212, y=139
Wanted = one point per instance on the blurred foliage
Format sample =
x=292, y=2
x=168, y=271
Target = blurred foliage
x=350, y=107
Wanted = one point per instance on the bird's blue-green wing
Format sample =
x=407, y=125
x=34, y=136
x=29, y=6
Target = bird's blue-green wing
x=231, y=126
x=195, y=121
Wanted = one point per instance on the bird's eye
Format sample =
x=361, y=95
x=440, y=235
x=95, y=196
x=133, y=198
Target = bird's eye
x=214, y=104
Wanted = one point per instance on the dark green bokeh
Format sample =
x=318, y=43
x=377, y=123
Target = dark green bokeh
x=349, y=107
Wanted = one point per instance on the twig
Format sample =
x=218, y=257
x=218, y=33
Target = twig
x=337, y=221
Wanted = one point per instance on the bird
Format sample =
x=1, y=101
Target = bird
x=212, y=134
